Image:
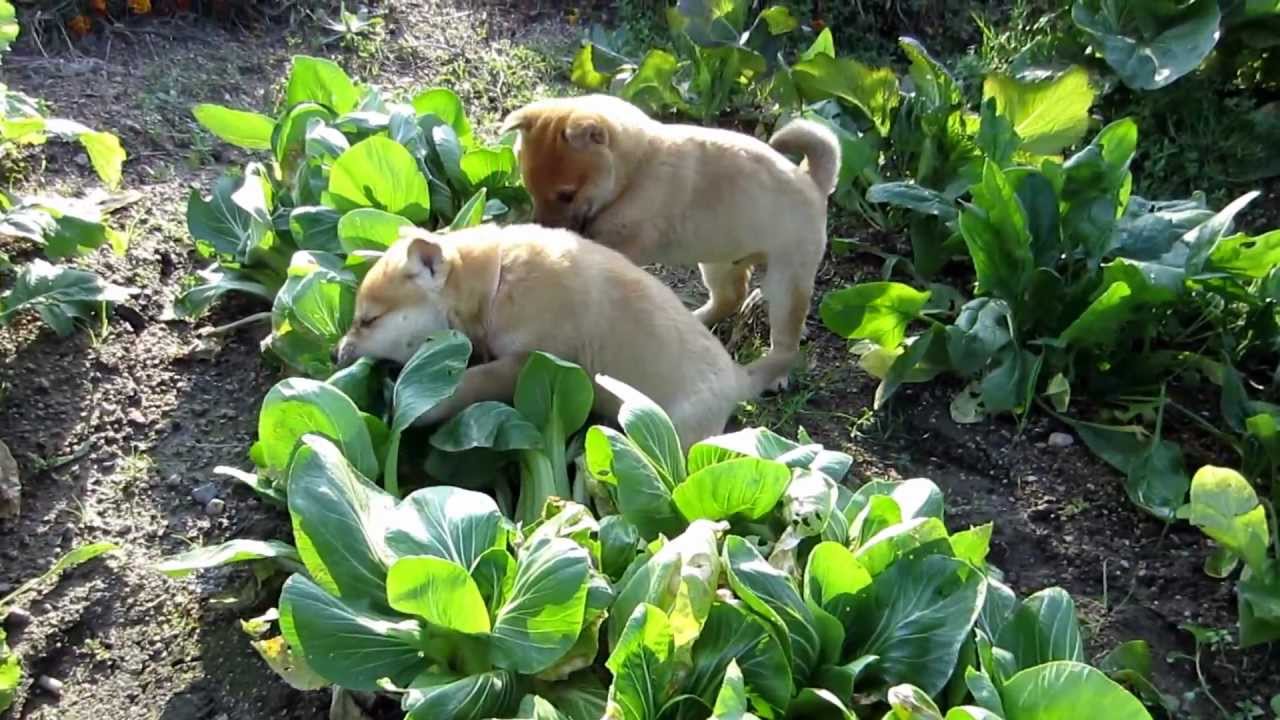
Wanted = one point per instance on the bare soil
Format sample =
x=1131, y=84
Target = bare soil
x=114, y=428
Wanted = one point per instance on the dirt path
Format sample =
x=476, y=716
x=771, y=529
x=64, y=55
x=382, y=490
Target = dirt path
x=115, y=430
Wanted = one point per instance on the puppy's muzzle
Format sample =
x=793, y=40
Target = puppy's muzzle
x=344, y=354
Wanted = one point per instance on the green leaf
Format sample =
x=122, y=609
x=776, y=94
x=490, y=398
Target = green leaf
x=430, y=377
x=913, y=197
x=619, y=544
x=438, y=591
x=972, y=545
x=315, y=228
x=448, y=523
x=74, y=558
x=544, y=614
x=1044, y=628
x=995, y=231
x=444, y=104
x=875, y=311
x=296, y=407
x=643, y=497
x=60, y=294
x=874, y=91
x=1225, y=507
x=731, y=702
x=1065, y=690
x=224, y=226
x=749, y=487
x=470, y=697
x=370, y=229
x=680, y=578
x=732, y=634
x=915, y=616
x=1251, y=256
x=312, y=311
x=1102, y=320
x=315, y=80
x=290, y=134
x=345, y=645
x=1049, y=115
x=1149, y=59
x=981, y=330
x=10, y=663
x=249, y=130
x=551, y=391
x=105, y=154
x=232, y=551
x=652, y=85
x=487, y=424
x=489, y=168
x=649, y=427
x=339, y=524
x=771, y=594
x=764, y=443
x=472, y=213
x=912, y=703
x=9, y=29
x=583, y=72
x=380, y=173
x=641, y=666
x=833, y=576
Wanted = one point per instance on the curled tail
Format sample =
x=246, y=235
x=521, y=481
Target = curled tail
x=818, y=145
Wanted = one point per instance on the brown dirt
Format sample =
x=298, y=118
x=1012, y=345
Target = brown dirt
x=147, y=408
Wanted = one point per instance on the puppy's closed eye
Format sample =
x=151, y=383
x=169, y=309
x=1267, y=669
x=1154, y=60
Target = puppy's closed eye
x=367, y=321
x=565, y=196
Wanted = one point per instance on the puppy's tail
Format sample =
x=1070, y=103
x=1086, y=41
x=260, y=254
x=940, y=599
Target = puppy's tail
x=818, y=145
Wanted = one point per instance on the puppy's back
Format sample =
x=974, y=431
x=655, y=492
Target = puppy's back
x=588, y=303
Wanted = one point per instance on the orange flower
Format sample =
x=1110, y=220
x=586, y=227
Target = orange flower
x=98, y=6
x=182, y=5
x=818, y=24
x=140, y=7
x=80, y=25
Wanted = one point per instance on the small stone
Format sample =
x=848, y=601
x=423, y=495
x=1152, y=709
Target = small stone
x=1061, y=440
x=214, y=507
x=51, y=685
x=174, y=480
x=17, y=618
x=10, y=485
x=204, y=494
x=137, y=418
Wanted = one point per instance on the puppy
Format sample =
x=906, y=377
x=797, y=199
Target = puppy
x=680, y=194
x=523, y=288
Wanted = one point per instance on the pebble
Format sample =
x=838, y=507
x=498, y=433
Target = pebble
x=51, y=685
x=17, y=618
x=214, y=507
x=205, y=494
x=1061, y=440
x=137, y=418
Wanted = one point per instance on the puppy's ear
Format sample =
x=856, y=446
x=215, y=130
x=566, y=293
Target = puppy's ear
x=520, y=120
x=424, y=256
x=583, y=132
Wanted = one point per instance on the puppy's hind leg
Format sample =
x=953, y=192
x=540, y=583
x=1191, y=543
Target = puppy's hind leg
x=787, y=290
x=727, y=283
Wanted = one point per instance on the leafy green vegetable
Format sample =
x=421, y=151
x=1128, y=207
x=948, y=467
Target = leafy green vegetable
x=59, y=294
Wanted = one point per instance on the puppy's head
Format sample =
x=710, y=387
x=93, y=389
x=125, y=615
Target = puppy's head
x=401, y=301
x=568, y=157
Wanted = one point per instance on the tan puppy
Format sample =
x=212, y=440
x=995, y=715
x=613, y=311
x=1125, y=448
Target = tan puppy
x=681, y=194
x=522, y=288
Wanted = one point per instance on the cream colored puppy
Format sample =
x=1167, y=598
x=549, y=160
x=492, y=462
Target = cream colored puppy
x=681, y=194
x=523, y=288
